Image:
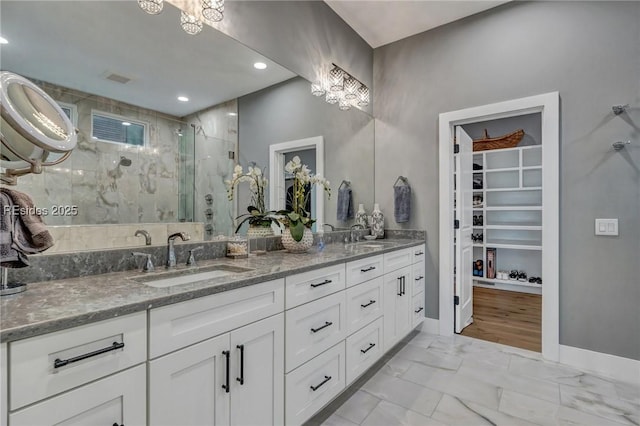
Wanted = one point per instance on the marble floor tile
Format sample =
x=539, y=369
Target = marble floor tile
x=455, y=411
x=358, y=407
x=423, y=340
x=406, y=394
x=572, y=417
x=430, y=357
x=396, y=366
x=431, y=377
x=611, y=408
x=629, y=391
x=476, y=391
x=542, y=370
x=528, y=408
x=591, y=383
x=388, y=414
x=336, y=420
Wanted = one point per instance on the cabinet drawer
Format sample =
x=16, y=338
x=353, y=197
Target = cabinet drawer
x=417, y=278
x=118, y=399
x=363, y=349
x=397, y=259
x=419, y=253
x=364, y=304
x=314, y=384
x=313, y=328
x=175, y=326
x=43, y=366
x=363, y=270
x=312, y=285
x=417, y=309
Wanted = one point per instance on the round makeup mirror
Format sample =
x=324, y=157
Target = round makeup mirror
x=34, y=130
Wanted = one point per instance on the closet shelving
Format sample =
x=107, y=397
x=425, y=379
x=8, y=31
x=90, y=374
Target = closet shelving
x=511, y=212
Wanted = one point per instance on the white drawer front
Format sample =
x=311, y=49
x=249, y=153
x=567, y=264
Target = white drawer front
x=363, y=270
x=419, y=253
x=313, y=328
x=397, y=259
x=417, y=278
x=363, y=349
x=33, y=361
x=314, y=384
x=312, y=285
x=119, y=399
x=364, y=304
x=175, y=326
x=417, y=314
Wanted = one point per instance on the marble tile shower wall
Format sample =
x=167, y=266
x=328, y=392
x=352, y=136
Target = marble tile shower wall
x=216, y=135
x=145, y=191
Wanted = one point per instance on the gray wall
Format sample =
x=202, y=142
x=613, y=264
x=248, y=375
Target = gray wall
x=287, y=111
x=303, y=36
x=590, y=53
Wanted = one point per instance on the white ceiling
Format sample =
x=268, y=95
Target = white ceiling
x=382, y=22
x=76, y=44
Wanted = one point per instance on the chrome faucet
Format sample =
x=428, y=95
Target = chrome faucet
x=147, y=237
x=171, y=254
x=333, y=228
x=148, y=264
x=191, y=261
x=352, y=234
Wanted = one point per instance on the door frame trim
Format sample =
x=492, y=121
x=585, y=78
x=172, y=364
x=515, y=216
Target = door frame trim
x=548, y=105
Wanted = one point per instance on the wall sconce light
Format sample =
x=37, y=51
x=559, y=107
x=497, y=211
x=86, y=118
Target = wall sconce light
x=338, y=87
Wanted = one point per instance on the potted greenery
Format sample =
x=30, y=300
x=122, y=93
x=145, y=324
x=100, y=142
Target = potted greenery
x=260, y=220
x=297, y=235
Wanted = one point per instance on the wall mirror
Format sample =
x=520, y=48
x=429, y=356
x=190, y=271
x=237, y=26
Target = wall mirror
x=143, y=156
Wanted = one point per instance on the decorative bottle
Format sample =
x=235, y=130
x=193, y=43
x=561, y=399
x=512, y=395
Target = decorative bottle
x=361, y=217
x=377, y=222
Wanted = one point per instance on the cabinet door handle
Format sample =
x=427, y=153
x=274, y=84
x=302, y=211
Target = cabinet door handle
x=370, y=268
x=326, y=324
x=419, y=310
x=322, y=283
x=419, y=253
x=241, y=378
x=116, y=424
x=404, y=285
x=419, y=278
x=364, y=351
x=226, y=385
x=371, y=302
x=326, y=379
x=62, y=362
x=399, y=286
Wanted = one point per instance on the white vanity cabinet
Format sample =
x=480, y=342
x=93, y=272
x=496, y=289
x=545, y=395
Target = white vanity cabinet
x=233, y=379
x=397, y=305
x=4, y=400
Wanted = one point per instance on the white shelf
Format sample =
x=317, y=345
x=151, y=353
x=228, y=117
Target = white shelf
x=507, y=208
x=504, y=169
x=525, y=188
x=531, y=167
x=516, y=227
x=508, y=282
x=514, y=244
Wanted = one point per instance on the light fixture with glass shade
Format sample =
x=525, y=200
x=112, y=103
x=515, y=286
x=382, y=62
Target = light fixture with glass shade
x=339, y=87
x=211, y=11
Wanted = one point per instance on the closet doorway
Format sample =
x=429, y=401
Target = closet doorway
x=499, y=223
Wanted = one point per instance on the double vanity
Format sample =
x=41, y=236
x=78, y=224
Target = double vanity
x=265, y=340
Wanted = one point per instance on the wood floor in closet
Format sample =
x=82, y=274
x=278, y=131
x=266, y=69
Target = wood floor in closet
x=507, y=317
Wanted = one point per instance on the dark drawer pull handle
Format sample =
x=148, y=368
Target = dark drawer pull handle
x=364, y=351
x=62, y=362
x=419, y=278
x=419, y=310
x=326, y=379
x=403, y=287
x=371, y=302
x=326, y=324
x=370, y=268
x=116, y=424
x=226, y=385
x=419, y=253
x=399, y=286
x=322, y=283
x=241, y=378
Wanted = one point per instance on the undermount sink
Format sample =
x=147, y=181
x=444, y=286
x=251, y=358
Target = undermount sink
x=188, y=276
x=366, y=244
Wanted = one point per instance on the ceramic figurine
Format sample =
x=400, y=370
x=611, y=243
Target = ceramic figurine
x=361, y=217
x=377, y=222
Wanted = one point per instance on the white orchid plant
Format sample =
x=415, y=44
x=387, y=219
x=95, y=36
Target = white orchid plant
x=298, y=218
x=257, y=212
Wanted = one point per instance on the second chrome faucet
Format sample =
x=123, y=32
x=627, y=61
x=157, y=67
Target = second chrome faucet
x=171, y=254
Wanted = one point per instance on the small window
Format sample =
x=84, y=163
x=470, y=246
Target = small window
x=117, y=129
x=70, y=111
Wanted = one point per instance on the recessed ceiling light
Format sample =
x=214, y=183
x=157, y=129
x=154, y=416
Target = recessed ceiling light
x=126, y=123
x=3, y=40
x=260, y=65
x=183, y=99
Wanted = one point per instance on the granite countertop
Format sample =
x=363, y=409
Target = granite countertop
x=57, y=305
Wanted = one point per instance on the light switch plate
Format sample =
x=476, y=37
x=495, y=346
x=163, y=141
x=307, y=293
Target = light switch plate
x=607, y=227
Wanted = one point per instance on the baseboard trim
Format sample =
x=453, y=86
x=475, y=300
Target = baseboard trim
x=611, y=366
x=430, y=325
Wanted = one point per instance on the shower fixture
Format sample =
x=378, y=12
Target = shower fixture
x=619, y=109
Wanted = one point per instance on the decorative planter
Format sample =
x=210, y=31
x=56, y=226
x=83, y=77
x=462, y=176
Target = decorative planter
x=361, y=217
x=257, y=231
x=294, y=246
x=377, y=222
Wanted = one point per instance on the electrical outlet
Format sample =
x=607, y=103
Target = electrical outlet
x=607, y=227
